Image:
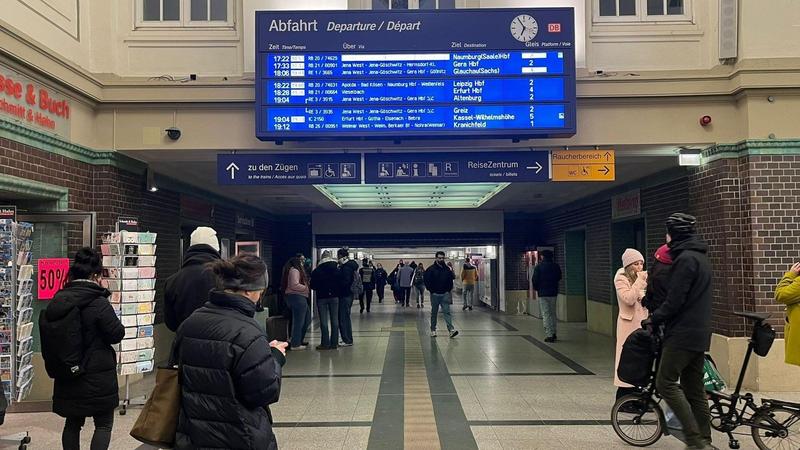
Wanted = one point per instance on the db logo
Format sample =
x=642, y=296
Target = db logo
x=554, y=27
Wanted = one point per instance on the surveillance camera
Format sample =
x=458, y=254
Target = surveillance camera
x=173, y=133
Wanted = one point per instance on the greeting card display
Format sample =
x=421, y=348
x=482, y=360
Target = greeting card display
x=129, y=273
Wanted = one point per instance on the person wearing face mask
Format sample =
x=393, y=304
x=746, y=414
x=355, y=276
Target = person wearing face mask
x=439, y=281
x=230, y=372
x=630, y=283
x=83, y=305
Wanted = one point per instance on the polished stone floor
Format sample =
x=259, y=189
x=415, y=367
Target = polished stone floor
x=495, y=386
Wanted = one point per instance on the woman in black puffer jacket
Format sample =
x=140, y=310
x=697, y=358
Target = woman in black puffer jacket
x=95, y=393
x=230, y=372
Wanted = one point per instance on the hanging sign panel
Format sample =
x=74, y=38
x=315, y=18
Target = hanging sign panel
x=288, y=169
x=457, y=73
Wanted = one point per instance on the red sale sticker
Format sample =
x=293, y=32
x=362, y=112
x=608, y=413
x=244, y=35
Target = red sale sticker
x=51, y=276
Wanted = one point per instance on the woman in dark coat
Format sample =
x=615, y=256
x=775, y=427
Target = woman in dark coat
x=381, y=277
x=94, y=393
x=230, y=372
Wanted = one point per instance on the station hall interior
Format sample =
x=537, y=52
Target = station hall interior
x=295, y=128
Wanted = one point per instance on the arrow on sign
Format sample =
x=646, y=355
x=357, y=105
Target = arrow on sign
x=233, y=168
x=604, y=170
x=608, y=156
x=537, y=167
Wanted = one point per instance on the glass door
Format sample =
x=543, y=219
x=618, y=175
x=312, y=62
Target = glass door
x=55, y=235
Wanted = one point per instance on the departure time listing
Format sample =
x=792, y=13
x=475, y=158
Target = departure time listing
x=416, y=118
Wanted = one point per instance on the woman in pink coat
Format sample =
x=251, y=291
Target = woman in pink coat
x=630, y=283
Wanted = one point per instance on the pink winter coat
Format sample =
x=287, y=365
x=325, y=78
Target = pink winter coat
x=631, y=312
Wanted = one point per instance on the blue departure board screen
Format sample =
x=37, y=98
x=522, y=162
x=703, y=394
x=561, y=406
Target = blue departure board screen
x=486, y=73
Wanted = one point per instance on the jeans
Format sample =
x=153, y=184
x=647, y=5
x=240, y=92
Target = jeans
x=468, y=293
x=380, y=289
x=420, y=294
x=301, y=318
x=368, y=295
x=687, y=398
x=71, y=437
x=442, y=300
x=345, y=324
x=329, y=310
x=406, y=294
x=549, y=318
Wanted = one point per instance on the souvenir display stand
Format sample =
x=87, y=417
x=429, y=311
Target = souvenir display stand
x=16, y=314
x=129, y=273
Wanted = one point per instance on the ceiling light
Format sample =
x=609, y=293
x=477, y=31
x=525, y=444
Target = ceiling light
x=689, y=157
x=411, y=196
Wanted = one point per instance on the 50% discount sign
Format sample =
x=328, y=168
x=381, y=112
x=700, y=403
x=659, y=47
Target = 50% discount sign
x=51, y=276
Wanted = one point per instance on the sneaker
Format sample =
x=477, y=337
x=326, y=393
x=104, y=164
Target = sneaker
x=299, y=347
x=323, y=347
x=550, y=339
x=345, y=344
x=463, y=308
x=453, y=334
x=470, y=308
x=417, y=305
x=304, y=343
x=433, y=333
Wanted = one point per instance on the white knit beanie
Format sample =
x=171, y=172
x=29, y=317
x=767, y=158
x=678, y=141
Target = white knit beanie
x=631, y=256
x=204, y=235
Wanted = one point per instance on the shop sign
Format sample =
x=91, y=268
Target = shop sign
x=245, y=221
x=628, y=204
x=8, y=212
x=127, y=224
x=33, y=104
x=51, y=276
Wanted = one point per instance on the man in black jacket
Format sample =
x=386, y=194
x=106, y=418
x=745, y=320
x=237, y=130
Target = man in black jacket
x=686, y=316
x=348, y=271
x=325, y=281
x=546, y=277
x=439, y=281
x=188, y=289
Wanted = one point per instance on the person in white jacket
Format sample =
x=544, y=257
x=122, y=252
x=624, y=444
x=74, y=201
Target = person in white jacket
x=630, y=283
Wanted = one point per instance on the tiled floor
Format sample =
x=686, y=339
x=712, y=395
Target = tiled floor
x=495, y=386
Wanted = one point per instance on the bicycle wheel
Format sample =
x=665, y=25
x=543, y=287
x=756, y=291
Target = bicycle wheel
x=783, y=432
x=637, y=420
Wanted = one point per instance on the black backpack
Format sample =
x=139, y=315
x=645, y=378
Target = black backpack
x=62, y=344
x=637, y=358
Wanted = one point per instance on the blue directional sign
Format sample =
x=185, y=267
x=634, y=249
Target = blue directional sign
x=283, y=169
x=459, y=73
x=465, y=167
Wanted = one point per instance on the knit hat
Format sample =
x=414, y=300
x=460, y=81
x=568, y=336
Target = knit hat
x=631, y=256
x=662, y=255
x=204, y=236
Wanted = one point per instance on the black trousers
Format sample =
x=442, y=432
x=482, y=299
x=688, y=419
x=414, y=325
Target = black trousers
x=406, y=295
x=380, y=290
x=103, y=423
x=368, y=294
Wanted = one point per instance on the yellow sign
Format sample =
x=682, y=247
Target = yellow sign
x=583, y=172
x=583, y=165
x=583, y=157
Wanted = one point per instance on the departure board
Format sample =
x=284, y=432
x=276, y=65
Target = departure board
x=482, y=73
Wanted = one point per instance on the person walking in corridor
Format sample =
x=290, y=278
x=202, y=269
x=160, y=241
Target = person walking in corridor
x=325, y=282
x=630, y=283
x=367, y=274
x=405, y=278
x=381, y=278
x=347, y=275
x=419, y=284
x=546, y=277
x=189, y=288
x=439, y=281
x=469, y=276
x=296, y=292
x=686, y=316
x=788, y=293
x=82, y=305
